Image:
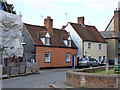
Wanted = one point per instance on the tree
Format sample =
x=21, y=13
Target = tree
x=8, y=7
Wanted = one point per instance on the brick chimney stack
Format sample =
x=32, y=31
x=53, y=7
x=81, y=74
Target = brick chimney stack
x=117, y=20
x=81, y=20
x=48, y=22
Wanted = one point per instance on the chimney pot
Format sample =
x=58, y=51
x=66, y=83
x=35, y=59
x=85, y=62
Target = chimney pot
x=48, y=17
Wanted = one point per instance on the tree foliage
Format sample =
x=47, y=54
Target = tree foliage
x=8, y=8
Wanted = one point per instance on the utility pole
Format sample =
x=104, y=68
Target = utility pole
x=41, y=18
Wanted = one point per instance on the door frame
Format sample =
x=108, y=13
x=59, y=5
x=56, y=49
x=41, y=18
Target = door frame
x=73, y=61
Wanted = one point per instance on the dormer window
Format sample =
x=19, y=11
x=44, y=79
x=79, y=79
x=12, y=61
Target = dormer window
x=47, y=39
x=69, y=42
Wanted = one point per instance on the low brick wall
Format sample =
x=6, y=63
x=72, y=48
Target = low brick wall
x=78, y=79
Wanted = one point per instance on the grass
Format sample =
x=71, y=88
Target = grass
x=111, y=71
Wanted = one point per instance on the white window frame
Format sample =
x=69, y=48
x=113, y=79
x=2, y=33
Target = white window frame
x=68, y=57
x=90, y=47
x=48, y=59
x=69, y=43
x=47, y=40
x=100, y=46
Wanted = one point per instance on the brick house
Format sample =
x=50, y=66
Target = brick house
x=55, y=46
x=88, y=39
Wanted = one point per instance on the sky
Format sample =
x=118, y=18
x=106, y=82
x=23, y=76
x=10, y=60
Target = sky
x=96, y=12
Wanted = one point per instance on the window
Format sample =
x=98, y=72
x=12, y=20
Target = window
x=100, y=58
x=100, y=46
x=104, y=57
x=68, y=57
x=47, y=57
x=69, y=43
x=89, y=46
x=47, y=40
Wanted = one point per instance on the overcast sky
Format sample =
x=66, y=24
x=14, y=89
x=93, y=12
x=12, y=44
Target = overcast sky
x=96, y=12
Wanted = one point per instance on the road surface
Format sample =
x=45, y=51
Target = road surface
x=42, y=80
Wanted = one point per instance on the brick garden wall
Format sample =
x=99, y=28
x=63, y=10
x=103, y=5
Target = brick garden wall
x=90, y=80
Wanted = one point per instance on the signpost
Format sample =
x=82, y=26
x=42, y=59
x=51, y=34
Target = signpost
x=107, y=66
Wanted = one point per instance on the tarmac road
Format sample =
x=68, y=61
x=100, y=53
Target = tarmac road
x=42, y=80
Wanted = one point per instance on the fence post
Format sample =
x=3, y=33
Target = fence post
x=25, y=64
x=8, y=68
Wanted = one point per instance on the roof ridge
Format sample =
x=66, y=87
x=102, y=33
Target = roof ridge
x=80, y=24
x=33, y=25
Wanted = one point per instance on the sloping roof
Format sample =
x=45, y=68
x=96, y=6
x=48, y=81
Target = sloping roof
x=88, y=33
x=56, y=38
x=110, y=34
x=110, y=26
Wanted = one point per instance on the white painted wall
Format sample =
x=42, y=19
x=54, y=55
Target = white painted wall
x=43, y=40
x=76, y=39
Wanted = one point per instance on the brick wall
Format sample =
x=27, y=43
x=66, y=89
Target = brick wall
x=58, y=56
x=91, y=80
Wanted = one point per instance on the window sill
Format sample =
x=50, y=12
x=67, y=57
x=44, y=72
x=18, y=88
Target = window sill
x=47, y=62
x=68, y=62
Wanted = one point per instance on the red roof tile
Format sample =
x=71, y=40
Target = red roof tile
x=88, y=33
x=56, y=38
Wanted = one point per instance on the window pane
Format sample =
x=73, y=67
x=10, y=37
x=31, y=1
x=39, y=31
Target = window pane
x=47, y=57
x=100, y=46
x=69, y=43
x=100, y=58
x=89, y=45
x=47, y=40
x=104, y=57
x=68, y=57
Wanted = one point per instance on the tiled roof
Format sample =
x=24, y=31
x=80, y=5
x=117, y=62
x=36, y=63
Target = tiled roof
x=56, y=38
x=110, y=34
x=88, y=33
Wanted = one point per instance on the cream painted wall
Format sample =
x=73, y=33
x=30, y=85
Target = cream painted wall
x=112, y=48
x=95, y=52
